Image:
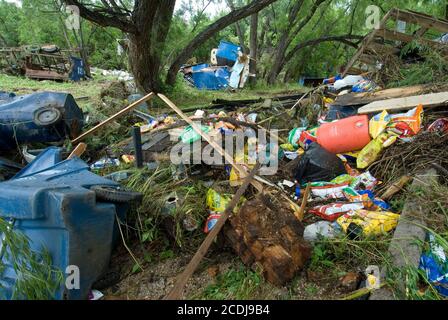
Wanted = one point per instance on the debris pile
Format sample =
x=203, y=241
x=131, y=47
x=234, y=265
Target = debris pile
x=277, y=176
x=229, y=68
x=44, y=62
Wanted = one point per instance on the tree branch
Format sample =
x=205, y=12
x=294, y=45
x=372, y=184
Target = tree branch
x=99, y=17
x=344, y=39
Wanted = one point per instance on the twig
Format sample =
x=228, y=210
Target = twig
x=125, y=245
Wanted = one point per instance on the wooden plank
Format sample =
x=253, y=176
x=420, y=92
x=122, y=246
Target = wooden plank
x=306, y=194
x=421, y=19
x=352, y=99
x=177, y=291
x=380, y=48
x=115, y=116
x=421, y=32
x=78, y=151
x=370, y=37
x=403, y=37
x=242, y=172
x=427, y=100
x=406, y=246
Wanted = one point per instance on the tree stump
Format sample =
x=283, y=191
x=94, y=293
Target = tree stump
x=269, y=235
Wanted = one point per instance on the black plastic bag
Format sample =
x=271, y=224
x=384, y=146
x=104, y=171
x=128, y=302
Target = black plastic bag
x=317, y=164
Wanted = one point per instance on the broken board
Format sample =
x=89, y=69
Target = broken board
x=427, y=100
x=269, y=236
x=353, y=99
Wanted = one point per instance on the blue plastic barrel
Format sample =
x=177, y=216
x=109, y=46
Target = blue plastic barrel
x=227, y=53
x=51, y=203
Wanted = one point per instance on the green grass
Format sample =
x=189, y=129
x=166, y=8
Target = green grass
x=36, y=278
x=148, y=219
x=236, y=284
x=22, y=85
x=186, y=96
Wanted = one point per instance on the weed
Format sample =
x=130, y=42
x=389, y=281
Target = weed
x=167, y=254
x=36, y=278
x=311, y=289
x=150, y=218
x=235, y=284
x=433, y=68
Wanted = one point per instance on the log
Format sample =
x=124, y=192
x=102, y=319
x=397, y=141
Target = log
x=176, y=293
x=267, y=234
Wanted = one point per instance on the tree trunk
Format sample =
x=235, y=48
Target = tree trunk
x=283, y=43
x=253, y=47
x=288, y=36
x=210, y=31
x=147, y=45
x=145, y=66
x=446, y=11
x=83, y=52
x=238, y=29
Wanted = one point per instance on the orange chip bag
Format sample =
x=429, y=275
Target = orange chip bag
x=413, y=118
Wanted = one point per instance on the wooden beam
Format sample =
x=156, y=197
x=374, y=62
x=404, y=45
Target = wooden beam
x=353, y=99
x=306, y=194
x=242, y=172
x=403, y=37
x=427, y=100
x=78, y=151
x=426, y=21
x=177, y=291
x=421, y=32
x=376, y=47
x=366, y=42
x=115, y=116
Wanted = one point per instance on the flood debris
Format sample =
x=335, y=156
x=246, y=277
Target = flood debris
x=47, y=62
x=228, y=69
x=270, y=181
x=38, y=199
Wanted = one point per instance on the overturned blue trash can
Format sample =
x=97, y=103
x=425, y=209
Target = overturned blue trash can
x=54, y=204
